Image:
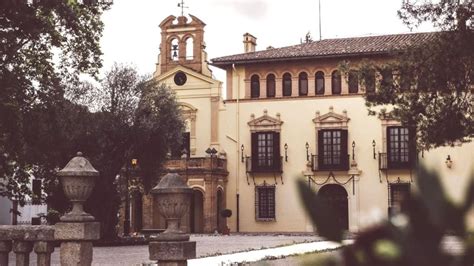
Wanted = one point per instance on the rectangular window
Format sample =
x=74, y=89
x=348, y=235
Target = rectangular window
x=398, y=147
x=332, y=150
x=265, y=203
x=265, y=151
x=398, y=194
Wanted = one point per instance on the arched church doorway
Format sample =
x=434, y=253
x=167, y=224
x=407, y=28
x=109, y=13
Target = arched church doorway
x=220, y=207
x=335, y=197
x=197, y=212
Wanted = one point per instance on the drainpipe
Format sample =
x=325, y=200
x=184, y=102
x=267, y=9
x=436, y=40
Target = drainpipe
x=237, y=159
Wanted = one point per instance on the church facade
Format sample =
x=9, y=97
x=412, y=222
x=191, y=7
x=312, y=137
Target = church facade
x=289, y=114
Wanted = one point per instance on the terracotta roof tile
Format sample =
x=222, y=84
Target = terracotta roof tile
x=330, y=48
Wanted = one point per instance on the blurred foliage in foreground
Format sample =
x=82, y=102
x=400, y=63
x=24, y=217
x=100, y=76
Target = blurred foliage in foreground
x=410, y=238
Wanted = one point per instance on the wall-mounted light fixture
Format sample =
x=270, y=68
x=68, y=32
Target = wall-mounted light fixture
x=242, y=153
x=307, y=151
x=373, y=147
x=448, y=162
x=286, y=152
x=353, y=146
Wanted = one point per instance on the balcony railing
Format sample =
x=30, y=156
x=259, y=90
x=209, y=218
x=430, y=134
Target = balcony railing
x=318, y=163
x=274, y=168
x=199, y=163
x=386, y=164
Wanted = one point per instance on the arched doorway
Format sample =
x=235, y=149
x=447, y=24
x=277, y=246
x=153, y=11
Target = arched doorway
x=197, y=212
x=335, y=197
x=220, y=207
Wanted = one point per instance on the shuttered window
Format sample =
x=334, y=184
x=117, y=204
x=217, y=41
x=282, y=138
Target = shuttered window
x=332, y=149
x=399, y=152
x=265, y=151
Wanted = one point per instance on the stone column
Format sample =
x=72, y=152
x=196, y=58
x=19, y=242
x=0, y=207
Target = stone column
x=295, y=86
x=5, y=248
x=22, y=251
x=77, y=229
x=43, y=250
x=278, y=87
x=311, y=85
x=327, y=84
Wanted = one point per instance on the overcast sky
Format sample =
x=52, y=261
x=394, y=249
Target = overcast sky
x=132, y=34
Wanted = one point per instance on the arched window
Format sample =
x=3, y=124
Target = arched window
x=353, y=82
x=271, y=85
x=303, y=84
x=336, y=82
x=190, y=48
x=320, y=83
x=370, y=82
x=174, y=56
x=255, y=86
x=287, y=84
x=387, y=79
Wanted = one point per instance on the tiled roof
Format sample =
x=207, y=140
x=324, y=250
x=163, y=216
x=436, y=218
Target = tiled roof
x=330, y=48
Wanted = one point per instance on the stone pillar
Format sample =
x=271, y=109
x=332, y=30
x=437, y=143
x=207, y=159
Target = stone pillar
x=5, y=248
x=311, y=85
x=295, y=86
x=328, y=84
x=263, y=88
x=172, y=247
x=22, y=251
x=43, y=250
x=278, y=87
x=77, y=229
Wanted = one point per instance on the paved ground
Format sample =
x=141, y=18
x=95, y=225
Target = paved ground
x=206, y=245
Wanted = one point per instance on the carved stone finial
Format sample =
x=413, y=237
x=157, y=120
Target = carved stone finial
x=265, y=112
x=331, y=109
x=278, y=116
x=252, y=116
x=318, y=114
x=344, y=112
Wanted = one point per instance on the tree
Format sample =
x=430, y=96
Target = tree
x=429, y=87
x=45, y=44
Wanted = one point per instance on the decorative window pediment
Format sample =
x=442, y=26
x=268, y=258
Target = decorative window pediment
x=331, y=120
x=265, y=123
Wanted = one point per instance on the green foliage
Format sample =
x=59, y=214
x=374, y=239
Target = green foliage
x=411, y=238
x=428, y=86
x=45, y=44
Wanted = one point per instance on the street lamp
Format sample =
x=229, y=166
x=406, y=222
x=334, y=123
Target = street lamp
x=126, y=222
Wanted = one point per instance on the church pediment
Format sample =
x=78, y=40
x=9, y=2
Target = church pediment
x=192, y=78
x=331, y=119
x=265, y=123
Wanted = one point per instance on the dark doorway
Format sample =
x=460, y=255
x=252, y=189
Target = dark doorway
x=137, y=212
x=335, y=196
x=197, y=212
x=220, y=207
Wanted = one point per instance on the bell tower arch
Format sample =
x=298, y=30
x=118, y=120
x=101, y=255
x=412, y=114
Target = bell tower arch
x=182, y=43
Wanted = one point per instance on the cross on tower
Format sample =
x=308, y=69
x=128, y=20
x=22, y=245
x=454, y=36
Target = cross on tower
x=182, y=7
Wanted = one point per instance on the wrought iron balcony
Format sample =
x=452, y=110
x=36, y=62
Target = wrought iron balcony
x=322, y=163
x=386, y=164
x=274, y=167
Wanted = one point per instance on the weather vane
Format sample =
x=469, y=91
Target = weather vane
x=182, y=7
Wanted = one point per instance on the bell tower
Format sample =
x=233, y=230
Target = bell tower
x=182, y=44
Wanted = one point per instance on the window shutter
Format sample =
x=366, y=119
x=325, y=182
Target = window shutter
x=320, y=149
x=389, y=152
x=254, y=159
x=412, y=153
x=344, y=152
x=276, y=151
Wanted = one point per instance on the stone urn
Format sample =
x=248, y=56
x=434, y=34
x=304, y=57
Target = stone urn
x=174, y=199
x=78, y=179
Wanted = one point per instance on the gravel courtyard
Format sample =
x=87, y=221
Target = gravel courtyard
x=206, y=245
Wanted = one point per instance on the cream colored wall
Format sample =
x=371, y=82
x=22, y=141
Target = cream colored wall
x=198, y=93
x=370, y=201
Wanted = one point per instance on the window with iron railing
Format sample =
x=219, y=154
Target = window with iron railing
x=265, y=203
x=265, y=152
x=399, y=148
x=332, y=150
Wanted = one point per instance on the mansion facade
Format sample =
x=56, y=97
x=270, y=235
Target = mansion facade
x=289, y=114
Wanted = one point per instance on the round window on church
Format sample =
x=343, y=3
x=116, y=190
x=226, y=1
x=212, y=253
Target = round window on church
x=180, y=78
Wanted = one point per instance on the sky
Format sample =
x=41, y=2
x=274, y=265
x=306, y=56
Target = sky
x=132, y=35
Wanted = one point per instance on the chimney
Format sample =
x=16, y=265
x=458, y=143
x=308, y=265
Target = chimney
x=250, y=42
